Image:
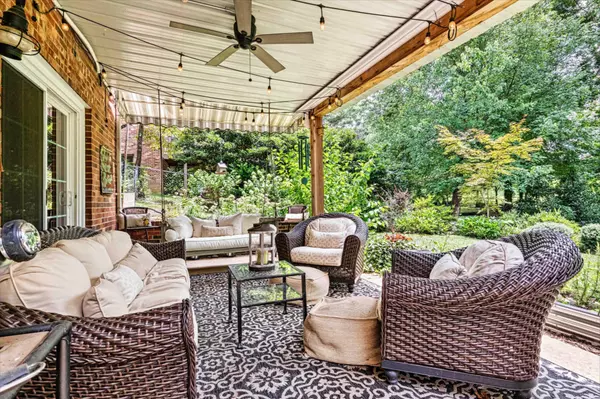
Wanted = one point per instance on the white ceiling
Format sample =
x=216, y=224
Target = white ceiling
x=349, y=44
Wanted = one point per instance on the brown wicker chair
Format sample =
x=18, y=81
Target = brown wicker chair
x=352, y=256
x=484, y=330
x=150, y=354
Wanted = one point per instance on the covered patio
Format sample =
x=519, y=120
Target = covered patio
x=89, y=70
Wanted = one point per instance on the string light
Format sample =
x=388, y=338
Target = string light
x=322, y=20
x=253, y=120
x=338, y=99
x=312, y=117
x=103, y=73
x=262, y=112
x=452, y=27
x=246, y=117
x=428, y=35
x=180, y=66
x=182, y=105
x=111, y=97
x=184, y=1
x=269, y=88
x=65, y=26
x=329, y=105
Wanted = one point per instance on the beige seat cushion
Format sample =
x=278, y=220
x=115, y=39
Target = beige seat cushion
x=104, y=299
x=140, y=260
x=344, y=330
x=53, y=281
x=91, y=253
x=158, y=294
x=127, y=280
x=448, y=268
x=170, y=269
x=198, y=223
x=234, y=221
x=221, y=231
x=117, y=244
x=487, y=257
x=317, y=284
x=317, y=256
x=182, y=225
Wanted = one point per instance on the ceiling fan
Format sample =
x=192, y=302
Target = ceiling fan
x=244, y=33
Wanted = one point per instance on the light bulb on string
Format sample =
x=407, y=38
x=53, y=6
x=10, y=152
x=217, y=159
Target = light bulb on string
x=428, y=35
x=104, y=74
x=245, y=117
x=182, y=105
x=452, y=26
x=262, y=112
x=322, y=20
x=111, y=97
x=253, y=120
x=269, y=87
x=329, y=105
x=65, y=26
x=180, y=66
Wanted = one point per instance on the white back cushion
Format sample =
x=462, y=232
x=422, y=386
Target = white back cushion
x=91, y=253
x=117, y=244
x=198, y=223
x=53, y=281
x=140, y=260
x=182, y=225
x=330, y=225
x=234, y=221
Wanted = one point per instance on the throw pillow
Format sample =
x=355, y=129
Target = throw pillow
x=138, y=220
x=448, y=268
x=140, y=260
x=91, y=253
x=224, y=231
x=53, y=281
x=318, y=239
x=234, y=221
x=182, y=225
x=198, y=223
x=487, y=257
x=104, y=300
x=128, y=282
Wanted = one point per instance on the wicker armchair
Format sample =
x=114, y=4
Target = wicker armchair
x=352, y=255
x=484, y=330
x=149, y=354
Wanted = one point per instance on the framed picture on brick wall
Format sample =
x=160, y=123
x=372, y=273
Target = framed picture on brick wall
x=107, y=175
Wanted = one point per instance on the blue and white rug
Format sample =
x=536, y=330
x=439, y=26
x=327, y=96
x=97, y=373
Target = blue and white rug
x=272, y=364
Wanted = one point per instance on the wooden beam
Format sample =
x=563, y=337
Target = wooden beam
x=316, y=165
x=470, y=14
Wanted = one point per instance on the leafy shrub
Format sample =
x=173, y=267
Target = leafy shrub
x=590, y=237
x=554, y=216
x=513, y=222
x=378, y=250
x=397, y=202
x=583, y=290
x=558, y=227
x=479, y=227
x=425, y=218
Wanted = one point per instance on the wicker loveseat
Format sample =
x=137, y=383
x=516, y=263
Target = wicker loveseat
x=150, y=354
x=352, y=257
x=484, y=330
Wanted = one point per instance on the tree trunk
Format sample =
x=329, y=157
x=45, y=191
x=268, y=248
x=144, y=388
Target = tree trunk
x=508, y=197
x=456, y=200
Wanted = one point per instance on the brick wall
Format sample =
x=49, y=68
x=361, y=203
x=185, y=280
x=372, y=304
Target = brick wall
x=63, y=51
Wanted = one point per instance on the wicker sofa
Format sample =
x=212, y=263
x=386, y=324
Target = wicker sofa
x=484, y=330
x=352, y=255
x=148, y=354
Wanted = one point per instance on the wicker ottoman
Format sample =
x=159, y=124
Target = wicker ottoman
x=344, y=330
x=317, y=284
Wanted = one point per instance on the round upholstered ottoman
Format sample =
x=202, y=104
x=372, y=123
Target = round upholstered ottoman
x=344, y=330
x=317, y=284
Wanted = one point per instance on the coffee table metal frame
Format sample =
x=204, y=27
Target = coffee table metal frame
x=250, y=275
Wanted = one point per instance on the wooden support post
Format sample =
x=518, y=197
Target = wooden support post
x=316, y=165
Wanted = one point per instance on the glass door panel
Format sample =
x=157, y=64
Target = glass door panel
x=57, y=194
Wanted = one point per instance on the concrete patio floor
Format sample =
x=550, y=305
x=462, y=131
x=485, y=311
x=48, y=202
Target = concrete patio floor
x=569, y=356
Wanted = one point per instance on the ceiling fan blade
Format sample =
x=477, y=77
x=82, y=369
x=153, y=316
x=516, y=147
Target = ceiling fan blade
x=267, y=59
x=197, y=29
x=243, y=15
x=286, y=38
x=223, y=55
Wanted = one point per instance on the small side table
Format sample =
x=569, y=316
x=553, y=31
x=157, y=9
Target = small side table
x=31, y=344
x=249, y=296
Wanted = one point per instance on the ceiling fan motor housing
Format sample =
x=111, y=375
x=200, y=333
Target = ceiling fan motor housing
x=245, y=40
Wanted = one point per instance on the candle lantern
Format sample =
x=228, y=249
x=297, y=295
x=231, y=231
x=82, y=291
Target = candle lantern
x=261, y=243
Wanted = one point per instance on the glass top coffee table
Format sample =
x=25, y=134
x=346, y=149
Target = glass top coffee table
x=255, y=295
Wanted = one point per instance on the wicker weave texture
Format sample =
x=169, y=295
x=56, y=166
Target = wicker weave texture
x=352, y=256
x=490, y=325
x=145, y=355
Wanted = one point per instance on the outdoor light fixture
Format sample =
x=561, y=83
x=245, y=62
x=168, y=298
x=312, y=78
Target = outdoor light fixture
x=14, y=39
x=338, y=100
x=180, y=66
x=19, y=241
x=428, y=35
x=452, y=27
x=322, y=20
x=269, y=88
x=103, y=73
x=65, y=26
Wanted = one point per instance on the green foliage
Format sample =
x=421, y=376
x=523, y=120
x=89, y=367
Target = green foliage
x=211, y=187
x=142, y=189
x=479, y=227
x=557, y=227
x=378, y=251
x=590, y=237
x=583, y=290
x=426, y=218
x=554, y=216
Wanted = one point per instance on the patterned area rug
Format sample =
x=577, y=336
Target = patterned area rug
x=272, y=364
